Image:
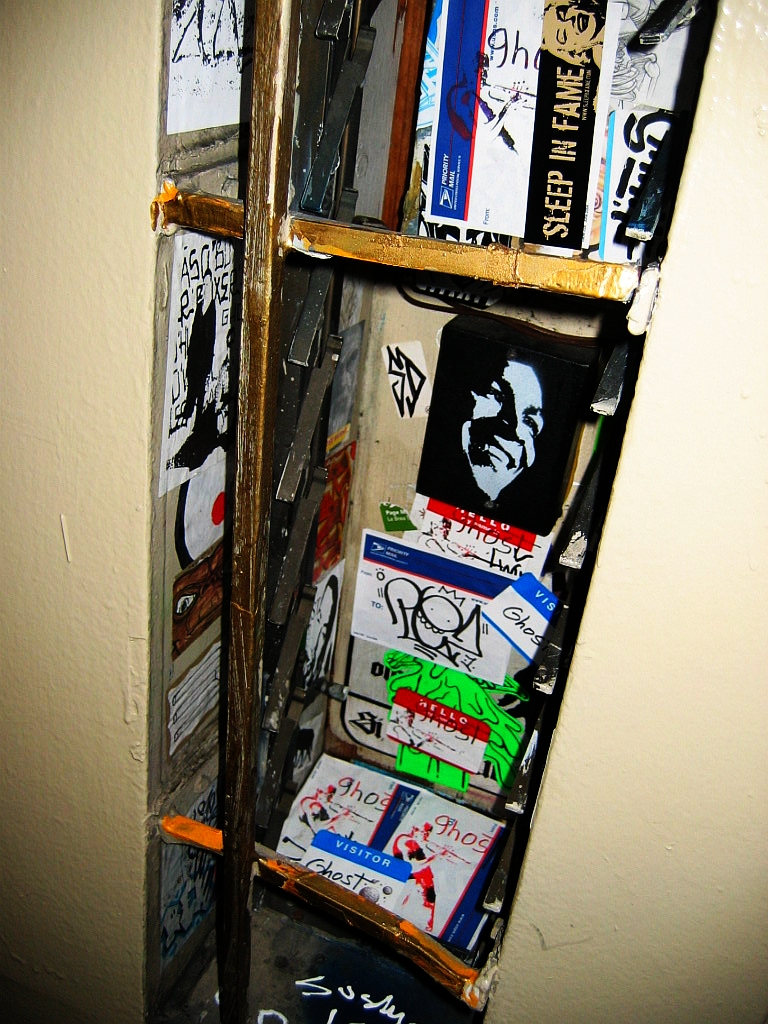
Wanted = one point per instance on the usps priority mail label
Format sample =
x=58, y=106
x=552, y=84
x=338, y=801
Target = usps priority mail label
x=482, y=136
x=428, y=605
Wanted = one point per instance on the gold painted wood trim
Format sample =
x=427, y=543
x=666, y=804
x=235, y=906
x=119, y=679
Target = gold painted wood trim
x=197, y=211
x=498, y=264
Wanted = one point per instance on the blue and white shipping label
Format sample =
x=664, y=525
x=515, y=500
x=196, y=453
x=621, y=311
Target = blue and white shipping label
x=522, y=614
x=482, y=134
x=377, y=876
x=428, y=605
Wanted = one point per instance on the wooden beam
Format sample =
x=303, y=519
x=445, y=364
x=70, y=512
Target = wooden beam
x=414, y=13
x=405, y=938
x=274, y=61
x=498, y=264
x=176, y=828
x=199, y=211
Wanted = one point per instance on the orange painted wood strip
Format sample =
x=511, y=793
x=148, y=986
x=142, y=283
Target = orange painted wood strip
x=198, y=211
x=186, y=830
x=402, y=936
x=463, y=981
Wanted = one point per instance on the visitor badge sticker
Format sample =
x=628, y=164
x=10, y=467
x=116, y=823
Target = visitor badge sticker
x=435, y=729
x=523, y=613
x=377, y=876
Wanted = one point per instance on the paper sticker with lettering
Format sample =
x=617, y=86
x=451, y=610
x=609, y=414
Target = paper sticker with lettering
x=428, y=605
x=504, y=423
x=635, y=140
x=208, y=56
x=439, y=730
x=394, y=518
x=485, y=108
x=575, y=69
x=365, y=711
x=376, y=675
x=376, y=876
x=409, y=385
x=506, y=711
x=523, y=93
x=522, y=614
x=194, y=697
x=203, y=313
x=450, y=849
x=431, y=511
x=505, y=549
x=365, y=722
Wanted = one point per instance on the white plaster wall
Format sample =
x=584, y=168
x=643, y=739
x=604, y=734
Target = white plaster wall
x=645, y=889
x=78, y=123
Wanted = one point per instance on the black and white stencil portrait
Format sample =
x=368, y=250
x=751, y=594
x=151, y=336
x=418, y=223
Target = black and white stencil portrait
x=504, y=421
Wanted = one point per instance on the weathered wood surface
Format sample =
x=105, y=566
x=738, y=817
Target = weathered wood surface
x=414, y=13
x=274, y=61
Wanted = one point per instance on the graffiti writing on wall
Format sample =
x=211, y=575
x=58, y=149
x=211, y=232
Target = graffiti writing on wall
x=187, y=882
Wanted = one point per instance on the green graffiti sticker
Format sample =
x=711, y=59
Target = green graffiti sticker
x=472, y=696
x=424, y=766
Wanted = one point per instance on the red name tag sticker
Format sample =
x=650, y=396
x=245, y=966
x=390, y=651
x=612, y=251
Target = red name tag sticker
x=437, y=730
x=482, y=525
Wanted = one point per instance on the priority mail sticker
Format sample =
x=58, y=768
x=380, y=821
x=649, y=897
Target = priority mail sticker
x=435, y=729
x=522, y=614
x=429, y=606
